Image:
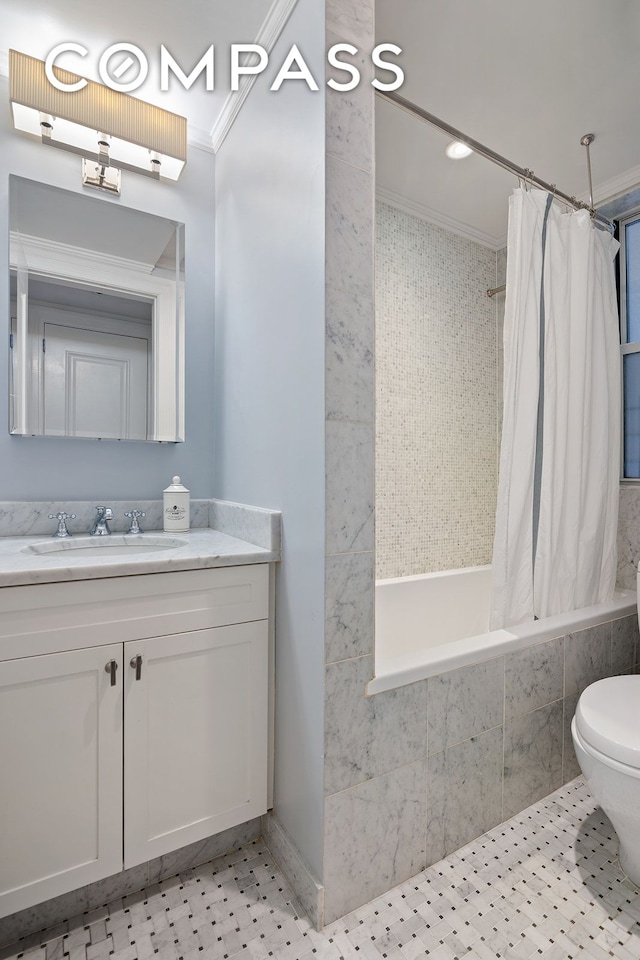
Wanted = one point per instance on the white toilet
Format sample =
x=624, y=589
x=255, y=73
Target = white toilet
x=606, y=737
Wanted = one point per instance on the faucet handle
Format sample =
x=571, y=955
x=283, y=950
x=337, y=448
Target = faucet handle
x=62, y=518
x=133, y=516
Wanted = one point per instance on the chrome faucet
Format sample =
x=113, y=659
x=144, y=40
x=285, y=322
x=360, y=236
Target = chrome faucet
x=100, y=527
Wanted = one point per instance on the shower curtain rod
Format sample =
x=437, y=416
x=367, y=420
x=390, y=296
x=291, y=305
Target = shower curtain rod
x=521, y=172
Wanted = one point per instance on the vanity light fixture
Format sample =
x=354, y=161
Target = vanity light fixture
x=110, y=130
x=457, y=150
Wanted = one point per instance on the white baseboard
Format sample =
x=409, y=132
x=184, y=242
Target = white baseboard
x=309, y=892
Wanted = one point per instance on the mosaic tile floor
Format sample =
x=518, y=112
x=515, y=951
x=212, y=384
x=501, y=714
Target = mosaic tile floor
x=546, y=884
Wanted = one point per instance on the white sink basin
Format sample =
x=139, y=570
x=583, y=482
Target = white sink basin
x=115, y=545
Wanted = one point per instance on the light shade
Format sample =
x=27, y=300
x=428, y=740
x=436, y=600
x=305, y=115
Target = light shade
x=138, y=131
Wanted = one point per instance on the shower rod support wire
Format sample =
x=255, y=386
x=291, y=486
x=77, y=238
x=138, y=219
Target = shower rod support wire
x=521, y=172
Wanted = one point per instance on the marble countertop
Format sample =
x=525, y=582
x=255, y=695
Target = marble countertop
x=204, y=548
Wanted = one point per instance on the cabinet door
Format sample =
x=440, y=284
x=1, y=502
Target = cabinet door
x=61, y=774
x=196, y=736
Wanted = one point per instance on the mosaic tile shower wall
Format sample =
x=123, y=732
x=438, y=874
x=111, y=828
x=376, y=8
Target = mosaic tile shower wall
x=437, y=397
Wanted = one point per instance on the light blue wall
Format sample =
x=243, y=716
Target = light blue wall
x=48, y=469
x=269, y=379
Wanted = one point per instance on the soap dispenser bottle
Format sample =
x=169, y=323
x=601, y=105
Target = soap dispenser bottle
x=176, y=508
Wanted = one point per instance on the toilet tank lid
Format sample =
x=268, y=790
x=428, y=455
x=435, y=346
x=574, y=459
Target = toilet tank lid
x=608, y=718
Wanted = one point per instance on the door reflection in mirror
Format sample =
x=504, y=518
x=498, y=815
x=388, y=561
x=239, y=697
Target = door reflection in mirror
x=97, y=318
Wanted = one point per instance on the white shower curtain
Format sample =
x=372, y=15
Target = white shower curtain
x=555, y=539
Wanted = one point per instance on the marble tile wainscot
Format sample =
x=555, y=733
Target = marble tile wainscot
x=450, y=757
x=25, y=518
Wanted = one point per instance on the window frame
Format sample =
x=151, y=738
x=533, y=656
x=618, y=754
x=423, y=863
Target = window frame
x=626, y=347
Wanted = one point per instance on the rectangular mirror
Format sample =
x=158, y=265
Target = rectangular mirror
x=96, y=318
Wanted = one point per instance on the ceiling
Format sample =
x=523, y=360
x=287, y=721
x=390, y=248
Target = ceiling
x=187, y=28
x=526, y=80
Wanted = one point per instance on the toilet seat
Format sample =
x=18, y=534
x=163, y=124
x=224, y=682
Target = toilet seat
x=608, y=718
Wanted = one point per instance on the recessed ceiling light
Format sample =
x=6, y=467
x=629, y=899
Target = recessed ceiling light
x=456, y=150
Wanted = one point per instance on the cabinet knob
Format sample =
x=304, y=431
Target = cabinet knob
x=111, y=668
x=136, y=663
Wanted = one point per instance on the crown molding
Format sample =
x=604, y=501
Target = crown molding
x=268, y=35
x=440, y=219
x=200, y=138
x=616, y=186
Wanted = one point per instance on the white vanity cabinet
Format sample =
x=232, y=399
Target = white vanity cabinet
x=195, y=747
x=60, y=774
x=133, y=721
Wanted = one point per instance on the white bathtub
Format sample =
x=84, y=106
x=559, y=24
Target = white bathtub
x=434, y=622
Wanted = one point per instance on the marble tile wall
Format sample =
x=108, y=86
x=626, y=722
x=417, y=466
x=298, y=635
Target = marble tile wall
x=438, y=396
x=354, y=814
x=509, y=741
x=254, y=524
x=413, y=774
x=31, y=519
x=376, y=756
x=628, y=535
